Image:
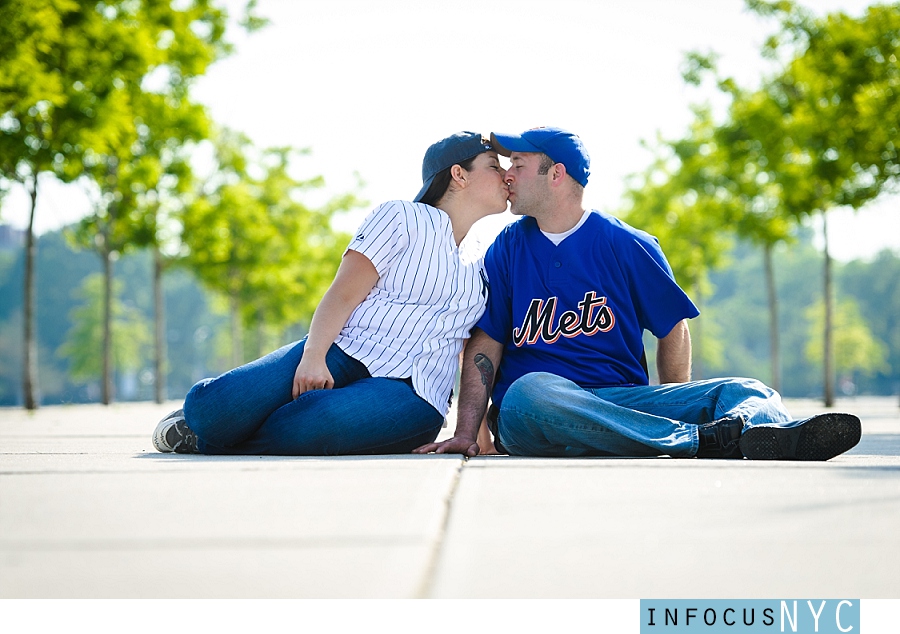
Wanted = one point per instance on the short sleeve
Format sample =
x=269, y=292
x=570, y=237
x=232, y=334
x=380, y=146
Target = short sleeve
x=659, y=302
x=383, y=235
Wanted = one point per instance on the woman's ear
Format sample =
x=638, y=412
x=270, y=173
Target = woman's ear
x=458, y=175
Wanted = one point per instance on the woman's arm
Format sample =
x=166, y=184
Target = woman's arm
x=355, y=278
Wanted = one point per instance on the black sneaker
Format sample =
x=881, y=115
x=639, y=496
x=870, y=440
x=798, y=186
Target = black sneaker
x=821, y=437
x=720, y=438
x=173, y=434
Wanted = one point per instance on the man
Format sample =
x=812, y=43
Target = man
x=559, y=349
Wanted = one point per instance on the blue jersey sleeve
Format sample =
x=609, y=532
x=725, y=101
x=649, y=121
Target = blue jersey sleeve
x=658, y=300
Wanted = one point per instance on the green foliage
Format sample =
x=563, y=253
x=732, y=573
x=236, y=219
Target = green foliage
x=735, y=314
x=131, y=339
x=680, y=200
x=834, y=113
x=856, y=349
x=248, y=236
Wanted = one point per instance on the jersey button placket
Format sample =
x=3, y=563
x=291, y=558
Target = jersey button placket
x=557, y=268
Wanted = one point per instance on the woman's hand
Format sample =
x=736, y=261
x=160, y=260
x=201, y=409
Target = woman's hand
x=311, y=374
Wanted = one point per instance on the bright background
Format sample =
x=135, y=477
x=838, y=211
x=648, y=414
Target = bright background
x=368, y=85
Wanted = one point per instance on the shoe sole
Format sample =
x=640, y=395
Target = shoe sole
x=820, y=438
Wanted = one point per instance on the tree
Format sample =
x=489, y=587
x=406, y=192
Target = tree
x=840, y=119
x=87, y=332
x=247, y=236
x=62, y=103
x=166, y=47
x=856, y=350
x=820, y=133
x=44, y=60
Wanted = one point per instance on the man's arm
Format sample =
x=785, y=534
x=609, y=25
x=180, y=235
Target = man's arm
x=480, y=361
x=673, y=356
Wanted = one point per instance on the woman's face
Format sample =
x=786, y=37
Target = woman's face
x=487, y=186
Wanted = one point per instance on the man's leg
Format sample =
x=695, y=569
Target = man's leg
x=677, y=419
x=546, y=415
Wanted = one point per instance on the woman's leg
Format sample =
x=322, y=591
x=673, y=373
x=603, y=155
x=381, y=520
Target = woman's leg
x=227, y=410
x=369, y=416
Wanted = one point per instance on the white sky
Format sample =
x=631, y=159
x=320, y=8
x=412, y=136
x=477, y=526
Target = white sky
x=368, y=85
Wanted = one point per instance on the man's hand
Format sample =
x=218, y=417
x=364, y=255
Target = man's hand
x=466, y=446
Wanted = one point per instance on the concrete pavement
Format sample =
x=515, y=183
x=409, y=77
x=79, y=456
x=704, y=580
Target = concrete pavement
x=89, y=509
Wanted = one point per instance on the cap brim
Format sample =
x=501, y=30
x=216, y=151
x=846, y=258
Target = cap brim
x=506, y=144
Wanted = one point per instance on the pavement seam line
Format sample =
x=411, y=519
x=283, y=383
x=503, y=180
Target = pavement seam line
x=426, y=585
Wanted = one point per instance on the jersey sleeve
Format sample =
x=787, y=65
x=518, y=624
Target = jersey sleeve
x=658, y=300
x=383, y=235
x=496, y=321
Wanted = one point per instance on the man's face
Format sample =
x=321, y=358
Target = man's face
x=528, y=190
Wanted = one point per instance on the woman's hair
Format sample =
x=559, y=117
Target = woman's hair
x=442, y=181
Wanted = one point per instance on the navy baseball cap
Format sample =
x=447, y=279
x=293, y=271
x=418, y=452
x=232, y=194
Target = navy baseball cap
x=456, y=148
x=560, y=145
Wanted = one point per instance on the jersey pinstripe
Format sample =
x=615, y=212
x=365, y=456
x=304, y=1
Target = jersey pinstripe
x=428, y=296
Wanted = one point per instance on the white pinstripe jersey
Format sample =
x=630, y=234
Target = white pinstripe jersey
x=428, y=296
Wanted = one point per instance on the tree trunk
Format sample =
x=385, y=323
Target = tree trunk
x=829, y=312
x=29, y=357
x=159, y=318
x=106, y=380
x=774, y=343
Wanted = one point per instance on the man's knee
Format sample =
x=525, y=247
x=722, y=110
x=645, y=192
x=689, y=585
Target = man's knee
x=751, y=387
x=532, y=390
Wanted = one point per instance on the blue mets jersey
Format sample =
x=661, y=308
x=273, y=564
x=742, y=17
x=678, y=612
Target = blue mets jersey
x=579, y=309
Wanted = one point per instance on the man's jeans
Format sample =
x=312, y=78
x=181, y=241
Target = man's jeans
x=546, y=415
x=250, y=410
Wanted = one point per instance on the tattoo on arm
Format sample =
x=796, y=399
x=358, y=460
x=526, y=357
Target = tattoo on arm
x=486, y=368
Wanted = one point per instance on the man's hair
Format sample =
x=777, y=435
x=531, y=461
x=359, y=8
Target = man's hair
x=544, y=168
x=442, y=181
x=545, y=164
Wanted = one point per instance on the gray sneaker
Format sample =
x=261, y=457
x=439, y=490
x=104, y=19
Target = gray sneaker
x=173, y=434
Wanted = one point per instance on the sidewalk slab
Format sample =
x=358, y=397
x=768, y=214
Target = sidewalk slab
x=88, y=509
x=659, y=527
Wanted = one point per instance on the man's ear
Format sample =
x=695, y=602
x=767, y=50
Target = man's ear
x=558, y=174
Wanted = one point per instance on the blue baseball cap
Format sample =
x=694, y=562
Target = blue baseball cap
x=560, y=145
x=446, y=153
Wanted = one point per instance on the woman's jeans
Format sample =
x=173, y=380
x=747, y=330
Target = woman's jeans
x=250, y=410
x=546, y=415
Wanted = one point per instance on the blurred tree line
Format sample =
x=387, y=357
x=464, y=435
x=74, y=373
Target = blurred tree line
x=100, y=93
x=822, y=131
x=199, y=338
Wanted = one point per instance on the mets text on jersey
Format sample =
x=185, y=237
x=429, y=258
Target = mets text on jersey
x=539, y=323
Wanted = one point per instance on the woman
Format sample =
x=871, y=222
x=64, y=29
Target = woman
x=375, y=373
